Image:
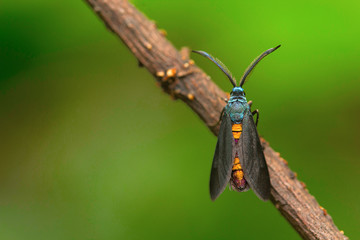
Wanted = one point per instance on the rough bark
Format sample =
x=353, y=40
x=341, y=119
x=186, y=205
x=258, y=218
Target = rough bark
x=179, y=77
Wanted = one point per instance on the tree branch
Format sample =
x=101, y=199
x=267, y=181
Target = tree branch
x=179, y=77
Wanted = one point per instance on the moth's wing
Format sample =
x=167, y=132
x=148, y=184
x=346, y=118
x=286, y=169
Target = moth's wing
x=222, y=162
x=252, y=158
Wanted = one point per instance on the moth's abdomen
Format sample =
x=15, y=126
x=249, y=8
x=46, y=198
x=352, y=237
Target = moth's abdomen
x=237, y=179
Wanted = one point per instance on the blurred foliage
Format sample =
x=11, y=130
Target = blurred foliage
x=92, y=149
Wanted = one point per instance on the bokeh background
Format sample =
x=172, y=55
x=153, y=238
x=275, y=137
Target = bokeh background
x=91, y=148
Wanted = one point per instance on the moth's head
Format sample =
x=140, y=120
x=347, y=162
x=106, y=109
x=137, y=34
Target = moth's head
x=237, y=92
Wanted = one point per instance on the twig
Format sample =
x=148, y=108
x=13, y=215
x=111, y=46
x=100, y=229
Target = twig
x=179, y=77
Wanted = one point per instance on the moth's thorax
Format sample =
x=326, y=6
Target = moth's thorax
x=237, y=105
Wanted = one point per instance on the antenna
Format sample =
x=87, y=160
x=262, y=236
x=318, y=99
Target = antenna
x=254, y=63
x=219, y=64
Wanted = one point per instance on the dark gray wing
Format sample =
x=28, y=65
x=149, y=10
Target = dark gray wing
x=252, y=158
x=222, y=162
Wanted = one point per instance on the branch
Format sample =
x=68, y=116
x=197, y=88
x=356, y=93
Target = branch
x=179, y=77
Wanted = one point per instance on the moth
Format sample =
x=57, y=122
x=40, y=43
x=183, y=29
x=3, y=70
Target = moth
x=239, y=158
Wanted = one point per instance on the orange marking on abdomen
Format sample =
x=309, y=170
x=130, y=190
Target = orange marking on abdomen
x=237, y=175
x=236, y=130
x=237, y=170
x=237, y=180
x=236, y=164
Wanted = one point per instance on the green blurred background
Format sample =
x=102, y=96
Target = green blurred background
x=92, y=149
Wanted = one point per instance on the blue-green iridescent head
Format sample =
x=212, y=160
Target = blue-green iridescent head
x=237, y=91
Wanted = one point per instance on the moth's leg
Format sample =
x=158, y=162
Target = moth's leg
x=256, y=111
x=225, y=99
x=222, y=112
